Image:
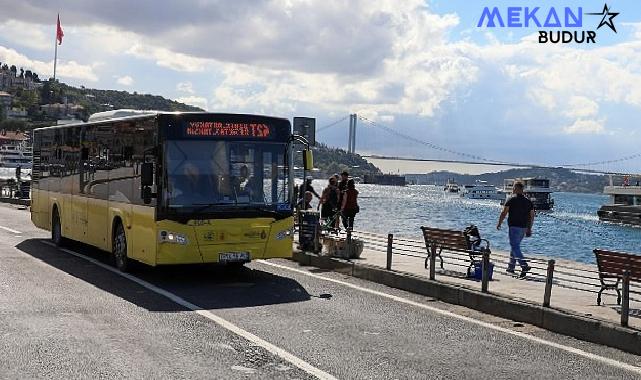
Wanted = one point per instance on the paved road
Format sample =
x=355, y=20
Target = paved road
x=62, y=316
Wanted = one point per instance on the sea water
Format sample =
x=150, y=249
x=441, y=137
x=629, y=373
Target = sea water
x=571, y=231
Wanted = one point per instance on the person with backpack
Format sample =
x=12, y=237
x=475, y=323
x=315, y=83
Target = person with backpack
x=329, y=199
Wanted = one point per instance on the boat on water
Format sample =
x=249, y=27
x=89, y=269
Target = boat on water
x=536, y=189
x=451, y=187
x=482, y=190
x=625, y=203
x=16, y=154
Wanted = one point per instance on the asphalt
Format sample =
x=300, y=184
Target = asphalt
x=62, y=316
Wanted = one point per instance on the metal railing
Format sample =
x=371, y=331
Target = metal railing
x=550, y=272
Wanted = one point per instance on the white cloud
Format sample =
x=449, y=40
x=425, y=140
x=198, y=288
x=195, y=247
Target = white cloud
x=27, y=35
x=169, y=59
x=582, y=126
x=186, y=87
x=196, y=101
x=125, y=80
x=65, y=69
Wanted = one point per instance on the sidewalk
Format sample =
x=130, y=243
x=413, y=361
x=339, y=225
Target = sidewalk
x=409, y=257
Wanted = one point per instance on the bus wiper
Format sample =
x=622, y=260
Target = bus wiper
x=205, y=206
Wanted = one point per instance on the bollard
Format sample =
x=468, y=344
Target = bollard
x=433, y=261
x=548, y=284
x=349, y=244
x=625, y=305
x=485, y=270
x=390, y=241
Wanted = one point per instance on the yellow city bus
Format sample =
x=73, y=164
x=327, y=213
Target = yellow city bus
x=167, y=188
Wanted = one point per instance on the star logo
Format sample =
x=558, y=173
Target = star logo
x=607, y=18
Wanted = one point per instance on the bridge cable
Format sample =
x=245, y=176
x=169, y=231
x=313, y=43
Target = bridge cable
x=427, y=143
x=325, y=127
x=442, y=149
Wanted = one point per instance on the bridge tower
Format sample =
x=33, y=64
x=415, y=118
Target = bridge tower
x=351, y=140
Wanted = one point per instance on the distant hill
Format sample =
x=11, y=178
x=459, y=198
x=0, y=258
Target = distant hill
x=36, y=103
x=561, y=179
x=331, y=161
x=95, y=100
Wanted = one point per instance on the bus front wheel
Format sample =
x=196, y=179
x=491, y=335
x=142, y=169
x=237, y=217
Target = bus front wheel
x=119, y=249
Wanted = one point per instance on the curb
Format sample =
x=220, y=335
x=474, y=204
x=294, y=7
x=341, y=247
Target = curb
x=16, y=201
x=562, y=322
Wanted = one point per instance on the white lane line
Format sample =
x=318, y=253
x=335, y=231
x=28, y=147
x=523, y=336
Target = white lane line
x=573, y=350
x=298, y=362
x=10, y=230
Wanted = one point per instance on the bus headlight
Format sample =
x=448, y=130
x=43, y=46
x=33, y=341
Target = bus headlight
x=284, y=234
x=172, y=237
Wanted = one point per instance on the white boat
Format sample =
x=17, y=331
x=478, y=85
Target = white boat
x=536, y=189
x=16, y=154
x=451, y=187
x=625, y=203
x=482, y=190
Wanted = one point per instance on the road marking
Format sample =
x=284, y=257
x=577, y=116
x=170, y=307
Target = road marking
x=10, y=230
x=573, y=350
x=298, y=362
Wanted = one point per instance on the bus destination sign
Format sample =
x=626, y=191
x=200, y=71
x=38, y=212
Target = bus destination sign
x=227, y=129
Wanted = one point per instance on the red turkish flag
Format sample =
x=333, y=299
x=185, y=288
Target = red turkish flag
x=59, y=32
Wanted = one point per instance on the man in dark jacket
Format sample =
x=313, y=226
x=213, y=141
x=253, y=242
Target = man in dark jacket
x=520, y=217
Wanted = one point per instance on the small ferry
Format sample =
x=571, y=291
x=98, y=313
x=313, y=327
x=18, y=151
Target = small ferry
x=15, y=150
x=536, y=189
x=15, y=155
x=482, y=190
x=451, y=187
x=625, y=203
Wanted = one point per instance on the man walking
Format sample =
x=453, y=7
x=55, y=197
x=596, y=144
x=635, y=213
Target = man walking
x=520, y=217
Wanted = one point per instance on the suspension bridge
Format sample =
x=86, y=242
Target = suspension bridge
x=457, y=157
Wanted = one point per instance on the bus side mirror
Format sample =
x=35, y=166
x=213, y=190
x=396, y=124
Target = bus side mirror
x=147, y=174
x=308, y=159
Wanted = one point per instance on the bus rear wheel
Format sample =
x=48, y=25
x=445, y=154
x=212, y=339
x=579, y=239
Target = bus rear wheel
x=119, y=249
x=56, y=230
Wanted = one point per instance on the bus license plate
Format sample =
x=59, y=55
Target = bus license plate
x=232, y=257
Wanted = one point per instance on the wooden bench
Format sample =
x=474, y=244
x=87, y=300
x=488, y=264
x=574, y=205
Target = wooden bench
x=438, y=239
x=611, y=266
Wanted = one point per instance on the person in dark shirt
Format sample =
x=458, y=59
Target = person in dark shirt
x=349, y=207
x=329, y=201
x=307, y=186
x=520, y=217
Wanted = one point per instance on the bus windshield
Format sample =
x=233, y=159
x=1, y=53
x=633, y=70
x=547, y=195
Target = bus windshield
x=202, y=173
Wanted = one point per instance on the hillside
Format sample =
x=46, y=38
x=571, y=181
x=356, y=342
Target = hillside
x=331, y=161
x=26, y=101
x=561, y=179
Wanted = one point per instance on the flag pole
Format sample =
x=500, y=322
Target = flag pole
x=55, y=58
x=55, y=43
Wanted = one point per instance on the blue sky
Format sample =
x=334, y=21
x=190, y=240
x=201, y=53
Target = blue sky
x=422, y=68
